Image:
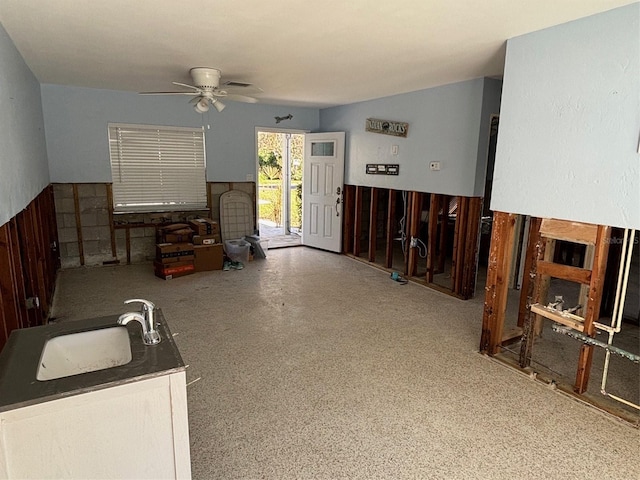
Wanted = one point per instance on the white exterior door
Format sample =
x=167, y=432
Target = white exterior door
x=322, y=186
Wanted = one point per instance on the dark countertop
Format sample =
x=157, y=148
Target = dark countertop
x=20, y=357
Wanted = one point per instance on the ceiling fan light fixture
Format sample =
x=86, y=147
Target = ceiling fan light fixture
x=202, y=106
x=219, y=106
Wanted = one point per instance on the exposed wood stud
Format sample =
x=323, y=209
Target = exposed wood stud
x=500, y=254
x=415, y=212
x=470, y=259
x=127, y=235
x=112, y=231
x=357, y=221
x=434, y=204
x=603, y=237
x=373, y=224
x=459, y=236
x=10, y=315
x=527, y=283
x=391, y=213
x=530, y=318
x=76, y=203
x=444, y=223
x=347, y=218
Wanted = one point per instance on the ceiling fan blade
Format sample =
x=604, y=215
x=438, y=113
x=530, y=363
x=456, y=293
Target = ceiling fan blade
x=186, y=85
x=249, y=89
x=240, y=98
x=165, y=93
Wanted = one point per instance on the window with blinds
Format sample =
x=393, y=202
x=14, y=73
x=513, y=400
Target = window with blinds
x=157, y=168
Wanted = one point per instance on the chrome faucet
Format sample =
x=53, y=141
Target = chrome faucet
x=146, y=318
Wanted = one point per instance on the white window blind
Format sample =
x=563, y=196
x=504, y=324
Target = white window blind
x=157, y=168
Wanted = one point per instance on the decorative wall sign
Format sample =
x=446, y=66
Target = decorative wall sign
x=383, y=169
x=387, y=127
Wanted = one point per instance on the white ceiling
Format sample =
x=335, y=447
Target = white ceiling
x=300, y=52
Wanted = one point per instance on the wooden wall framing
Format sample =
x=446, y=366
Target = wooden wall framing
x=29, y=262
x=539, y=267
x=370, y=221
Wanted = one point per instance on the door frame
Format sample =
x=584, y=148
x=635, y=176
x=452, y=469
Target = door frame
x=296, y=131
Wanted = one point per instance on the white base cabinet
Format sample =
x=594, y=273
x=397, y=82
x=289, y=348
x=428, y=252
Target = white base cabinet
x=135, y=430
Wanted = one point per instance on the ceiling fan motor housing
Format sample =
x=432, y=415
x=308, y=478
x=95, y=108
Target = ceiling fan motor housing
x=205, y=77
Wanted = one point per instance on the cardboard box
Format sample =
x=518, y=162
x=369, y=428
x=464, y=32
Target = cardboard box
x=174, y=252
x=204, y=226
x=207, y=239
x=175, y=233
x=208, y=257
x=173, y=270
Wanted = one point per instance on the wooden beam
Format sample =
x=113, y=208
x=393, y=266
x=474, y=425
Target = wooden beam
x=76, y=204
x=459, y=239
x=11, y=316
x=545, y=283
x=536, y=288
x=357, y=220
x=347, y=218
x=390, y=233
x=444, y=233
x=565, y=272
x=434, y=204
x=127, y=236
x=527, y=283
x=575, y=232
x=373, y=224
x=603, y=238
x=497, y=282
x=210, y=200
x=470, y=257
x=114, y=250
x=414, y=232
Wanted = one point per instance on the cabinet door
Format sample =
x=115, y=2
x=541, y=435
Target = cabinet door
x=120, y=432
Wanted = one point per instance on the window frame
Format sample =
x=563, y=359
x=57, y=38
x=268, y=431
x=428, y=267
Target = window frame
x=157, y=168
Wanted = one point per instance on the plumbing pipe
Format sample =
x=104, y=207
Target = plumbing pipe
x=618, y=311
x=592, y=341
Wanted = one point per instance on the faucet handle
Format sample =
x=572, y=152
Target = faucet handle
x=147, y=305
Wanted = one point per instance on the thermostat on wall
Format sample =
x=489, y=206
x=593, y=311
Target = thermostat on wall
x=382, y=169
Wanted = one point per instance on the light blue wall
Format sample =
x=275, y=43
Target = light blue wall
x=570, y=121
x=76, y=129
x=445, y=125
x=23, y=157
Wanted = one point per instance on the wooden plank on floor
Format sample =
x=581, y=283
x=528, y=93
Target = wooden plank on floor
x=390, y=233
x=373, y=224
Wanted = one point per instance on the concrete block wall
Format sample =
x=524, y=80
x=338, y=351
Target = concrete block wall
x=94, y=214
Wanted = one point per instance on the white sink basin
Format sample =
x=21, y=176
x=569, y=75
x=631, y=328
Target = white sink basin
x=84, y=352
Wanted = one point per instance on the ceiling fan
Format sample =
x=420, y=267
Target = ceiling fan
x=206, y=86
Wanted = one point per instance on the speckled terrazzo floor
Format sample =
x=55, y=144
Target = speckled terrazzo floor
x=313, y=365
